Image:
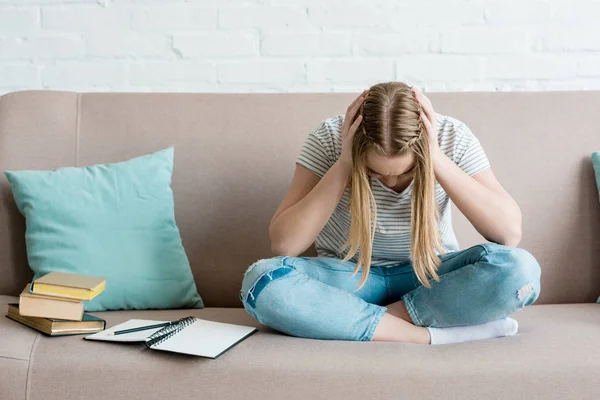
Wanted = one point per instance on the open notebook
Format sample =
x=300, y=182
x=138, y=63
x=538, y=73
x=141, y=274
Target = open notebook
x=189, y=335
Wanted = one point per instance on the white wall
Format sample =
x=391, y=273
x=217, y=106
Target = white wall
x=298, y=45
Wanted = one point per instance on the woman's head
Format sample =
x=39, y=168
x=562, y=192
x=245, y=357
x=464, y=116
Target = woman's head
x=391, y=144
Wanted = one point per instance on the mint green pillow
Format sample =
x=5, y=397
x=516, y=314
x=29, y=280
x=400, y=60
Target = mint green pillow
x=115, y=221
x=596, y=164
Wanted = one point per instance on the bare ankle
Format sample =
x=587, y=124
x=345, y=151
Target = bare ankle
x=398, y=309
x=394, y=329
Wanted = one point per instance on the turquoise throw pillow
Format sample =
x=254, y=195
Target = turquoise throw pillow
x=115, y=221
x=596, y=164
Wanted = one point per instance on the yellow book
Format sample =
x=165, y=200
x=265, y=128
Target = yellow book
x=55, y=327
x=70, y=286
x=39, y=305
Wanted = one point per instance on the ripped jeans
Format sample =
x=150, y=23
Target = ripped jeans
x=313, y=297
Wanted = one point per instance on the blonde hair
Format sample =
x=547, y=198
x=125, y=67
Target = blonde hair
x=392, y=126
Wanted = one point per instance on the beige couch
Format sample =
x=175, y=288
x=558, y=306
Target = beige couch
x=234, y=156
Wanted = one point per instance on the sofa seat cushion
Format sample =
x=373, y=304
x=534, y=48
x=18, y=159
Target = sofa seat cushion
x=16, y=344
x=555, y=355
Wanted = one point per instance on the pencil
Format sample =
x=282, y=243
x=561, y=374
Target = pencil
x=141, y=328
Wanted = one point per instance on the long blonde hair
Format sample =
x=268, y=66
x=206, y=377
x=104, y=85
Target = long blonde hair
x=392, y=126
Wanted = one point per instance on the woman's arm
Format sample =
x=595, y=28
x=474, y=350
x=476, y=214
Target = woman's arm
x=306, y=208
x=481, y=198
x=311, y=200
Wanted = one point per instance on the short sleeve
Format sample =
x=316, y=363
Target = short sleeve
x=468, y=153
x=318, y=151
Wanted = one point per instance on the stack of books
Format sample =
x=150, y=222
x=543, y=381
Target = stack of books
x=53, y=304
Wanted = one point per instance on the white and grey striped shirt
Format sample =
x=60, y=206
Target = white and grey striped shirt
x=391, y=244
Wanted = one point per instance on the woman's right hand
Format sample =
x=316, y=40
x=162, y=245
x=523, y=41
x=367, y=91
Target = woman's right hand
x=349, y=127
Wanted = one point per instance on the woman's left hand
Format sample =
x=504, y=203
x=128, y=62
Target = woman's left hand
x=429, y=118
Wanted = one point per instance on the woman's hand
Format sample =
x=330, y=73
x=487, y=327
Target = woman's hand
x=429, y=118
x=349, y=127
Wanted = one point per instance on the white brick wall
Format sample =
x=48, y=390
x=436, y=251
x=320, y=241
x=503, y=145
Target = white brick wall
x=298, y=46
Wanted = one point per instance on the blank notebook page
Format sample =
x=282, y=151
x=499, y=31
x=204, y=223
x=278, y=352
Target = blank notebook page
x=127, y=337
x=205, y=338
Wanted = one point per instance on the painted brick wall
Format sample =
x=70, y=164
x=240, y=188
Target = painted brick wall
x=298, y=46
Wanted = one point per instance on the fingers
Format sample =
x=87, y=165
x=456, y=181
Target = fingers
x=421, y=98
x=428, y=112
x=426, y=122
x=420, y=95
x=425, y=103
x=355, y=125
x=364, y=92
x=354, y=109
x=361, y=96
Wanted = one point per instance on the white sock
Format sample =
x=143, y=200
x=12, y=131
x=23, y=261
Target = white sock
x=489, y=330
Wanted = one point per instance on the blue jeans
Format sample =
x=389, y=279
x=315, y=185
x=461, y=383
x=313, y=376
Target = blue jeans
x=313, y=297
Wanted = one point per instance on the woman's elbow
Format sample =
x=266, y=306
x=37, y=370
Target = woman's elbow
x=511, y=239
x=279, y=249
x=284, y=245
x=514, y=231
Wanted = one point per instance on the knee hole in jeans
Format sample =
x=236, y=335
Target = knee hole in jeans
x=266, y=277
x=524, y=290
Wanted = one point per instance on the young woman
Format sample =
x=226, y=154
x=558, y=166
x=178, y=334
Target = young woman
x=379, y=181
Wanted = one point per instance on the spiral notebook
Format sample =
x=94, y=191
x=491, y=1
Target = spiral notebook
x=188, y=335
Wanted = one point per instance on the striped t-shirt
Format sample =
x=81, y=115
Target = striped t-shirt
x=391, y=244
